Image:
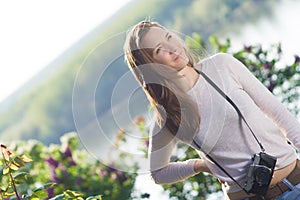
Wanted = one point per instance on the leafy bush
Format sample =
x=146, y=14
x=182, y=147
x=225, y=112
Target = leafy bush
x=63, y=171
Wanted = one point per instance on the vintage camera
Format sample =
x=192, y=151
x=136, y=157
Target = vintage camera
x=260, y=173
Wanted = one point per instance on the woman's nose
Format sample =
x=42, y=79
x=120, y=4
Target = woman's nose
x=170, y=48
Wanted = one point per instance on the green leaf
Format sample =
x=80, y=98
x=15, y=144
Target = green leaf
x=18, y=161
x=14, y=166
x=3, y=188
x=48, y=185
x=40, y=193
x=58, y=197
x=72, y=194
x=34, y=198
x=26, y=159
x=214, y=41
x=98, y=197
x=6, y=170
x=45, y=186
x=20, y=175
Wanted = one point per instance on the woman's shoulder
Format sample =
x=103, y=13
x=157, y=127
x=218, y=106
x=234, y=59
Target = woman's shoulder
x=219, y=58
x=156, y=131
x=160, y=137
x=215, y=60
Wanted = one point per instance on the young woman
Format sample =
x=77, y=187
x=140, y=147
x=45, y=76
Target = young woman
x=190, y=110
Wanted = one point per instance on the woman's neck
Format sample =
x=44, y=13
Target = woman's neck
x=189, y=75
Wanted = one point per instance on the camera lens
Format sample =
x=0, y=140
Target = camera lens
x=262, y=175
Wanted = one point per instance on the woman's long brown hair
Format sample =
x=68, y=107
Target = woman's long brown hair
x=174, y=108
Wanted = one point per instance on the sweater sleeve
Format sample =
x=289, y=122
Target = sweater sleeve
x=162, y=143
x=265, y=100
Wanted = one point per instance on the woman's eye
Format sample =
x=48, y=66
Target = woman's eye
x=158, y=50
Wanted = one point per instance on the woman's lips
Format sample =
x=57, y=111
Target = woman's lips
x=177, y=56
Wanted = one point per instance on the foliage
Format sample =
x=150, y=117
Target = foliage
x=63, y=171
x=10, y=164
x=211, y=16
x=271, y=68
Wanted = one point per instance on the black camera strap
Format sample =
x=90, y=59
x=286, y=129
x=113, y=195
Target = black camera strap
x=233, y=104
x=216, y=163
x=239, y=113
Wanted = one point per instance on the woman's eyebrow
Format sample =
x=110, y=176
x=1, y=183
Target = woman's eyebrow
x=166, y=36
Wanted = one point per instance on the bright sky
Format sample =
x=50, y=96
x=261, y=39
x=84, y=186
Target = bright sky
x=34, y=33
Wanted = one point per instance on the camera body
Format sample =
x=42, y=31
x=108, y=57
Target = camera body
x=260, y=173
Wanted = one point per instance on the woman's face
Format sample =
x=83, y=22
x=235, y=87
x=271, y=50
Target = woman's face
x=167, y=49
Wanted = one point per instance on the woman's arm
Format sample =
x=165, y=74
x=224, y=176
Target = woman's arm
x=162, y=143
x=200, y=166
x=177, y=171
x=265, y=100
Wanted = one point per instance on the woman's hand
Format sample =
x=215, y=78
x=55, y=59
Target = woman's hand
x=200, y=166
